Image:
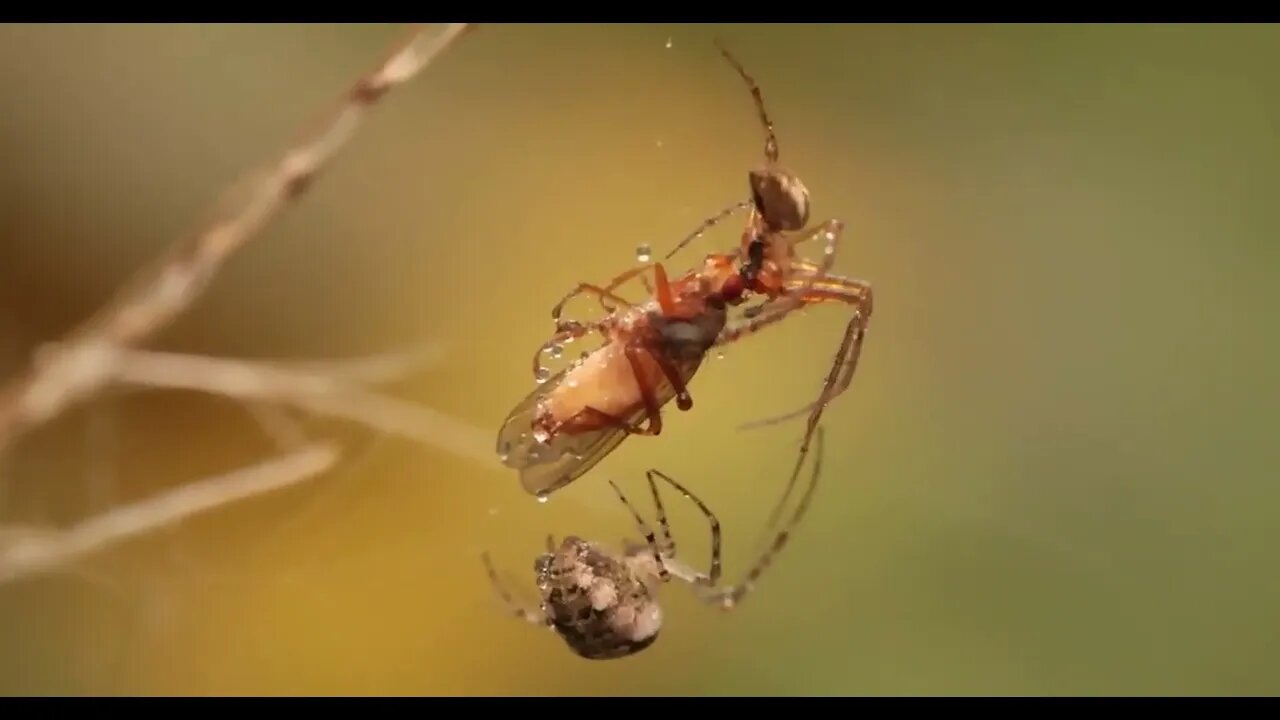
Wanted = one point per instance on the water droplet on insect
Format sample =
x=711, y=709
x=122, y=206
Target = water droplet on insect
x=542, y=375
x=719, y=354
x=644, y=253
x=555, y=351
x=542, y=499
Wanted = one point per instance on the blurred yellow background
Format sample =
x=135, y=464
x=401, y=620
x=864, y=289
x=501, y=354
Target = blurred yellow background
x=1055, y=471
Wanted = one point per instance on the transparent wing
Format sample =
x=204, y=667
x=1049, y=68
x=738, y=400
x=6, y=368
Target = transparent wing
x=547, y=467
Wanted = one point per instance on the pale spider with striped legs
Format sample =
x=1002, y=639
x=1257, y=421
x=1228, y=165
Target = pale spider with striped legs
x=604, y=605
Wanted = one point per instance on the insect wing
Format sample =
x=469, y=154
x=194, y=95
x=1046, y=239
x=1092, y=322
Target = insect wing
x=547, y=467
x=573, y=456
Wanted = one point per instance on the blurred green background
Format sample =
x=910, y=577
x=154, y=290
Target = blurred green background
x=1055, y=471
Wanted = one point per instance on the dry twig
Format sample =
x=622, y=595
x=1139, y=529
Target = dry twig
x=331, y=394
x=102, y=351
x=25, y=551
x=88, y=358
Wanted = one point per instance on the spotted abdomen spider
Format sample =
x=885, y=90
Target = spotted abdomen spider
x=604, y=604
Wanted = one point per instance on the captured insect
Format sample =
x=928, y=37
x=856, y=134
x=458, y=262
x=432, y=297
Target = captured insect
x=651, y=352
x=604, y=605
x=653, y=349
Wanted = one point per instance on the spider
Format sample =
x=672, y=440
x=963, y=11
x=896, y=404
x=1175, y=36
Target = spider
x=604, y=604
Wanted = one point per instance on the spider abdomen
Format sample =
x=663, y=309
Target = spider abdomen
x=596, y=604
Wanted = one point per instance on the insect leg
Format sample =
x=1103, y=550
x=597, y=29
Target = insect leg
x=607, y=292
x=652, y=411
x=611, y=421
x=684, y=401
x=571, y=330
x=589, y=289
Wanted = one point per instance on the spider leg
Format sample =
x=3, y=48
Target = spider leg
x=855, y=293
x=708, y=224
x=808, y=287
x=515, y=608
x=729, y=598
x=668, y=542
x=847, y=360
x=646, y=531
x=770, y=138
x=713, y=575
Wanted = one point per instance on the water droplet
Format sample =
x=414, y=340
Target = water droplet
x=668, y=43
x=719, y=354
x=555, y=351
x=542, y=375
x=542, y=499
x=644, y=253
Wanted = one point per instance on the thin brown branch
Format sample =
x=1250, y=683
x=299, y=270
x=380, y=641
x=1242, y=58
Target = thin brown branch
x=331, y=395
x=86, y=360
x=26, y=551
